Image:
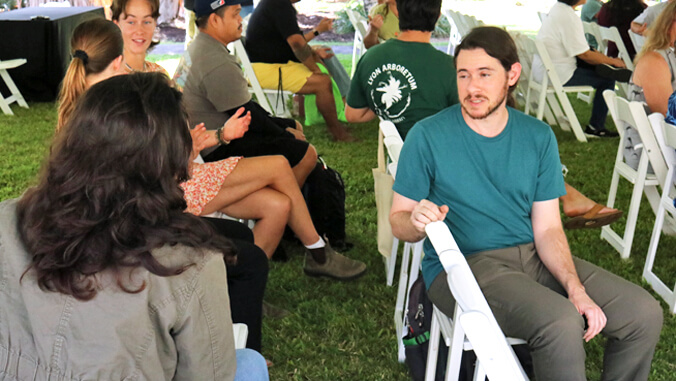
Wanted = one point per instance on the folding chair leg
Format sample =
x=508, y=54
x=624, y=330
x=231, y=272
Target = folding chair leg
x=553, y=103
x=572, y=118
x=433, y=350
x=401, y=297
x=391, y=262
x=13, y=89
x=650, y=277
x=479, y=373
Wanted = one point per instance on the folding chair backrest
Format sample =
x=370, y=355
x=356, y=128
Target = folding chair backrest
x=238, y=50
x=358, y=22
x=669, y=136
x=543, y=54
x=633, y=114
x=637, y=40
x=592, y=29
x=613, y=35
x=481, y=328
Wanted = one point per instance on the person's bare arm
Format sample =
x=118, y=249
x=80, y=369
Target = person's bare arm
x=595, y=58
x=303, y=52
x=359, y=115
x=653, y=75
x=324, y=26
x=638, y=28
x=553, y=250
x=371, y=37
x=409, y=217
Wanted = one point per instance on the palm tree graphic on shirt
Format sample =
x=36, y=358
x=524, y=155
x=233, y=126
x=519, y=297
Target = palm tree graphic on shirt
x=391, y=91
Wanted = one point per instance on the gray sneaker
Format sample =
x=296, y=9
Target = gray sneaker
x=337, y=266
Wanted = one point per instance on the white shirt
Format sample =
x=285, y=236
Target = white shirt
x=649, y=15
x=563, y=36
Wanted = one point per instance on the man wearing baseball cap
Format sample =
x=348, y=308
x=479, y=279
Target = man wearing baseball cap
x=214, y=87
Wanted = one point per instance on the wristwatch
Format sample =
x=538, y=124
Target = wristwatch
x=315, y=32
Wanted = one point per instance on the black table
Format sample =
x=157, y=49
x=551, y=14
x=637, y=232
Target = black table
x=42, y=36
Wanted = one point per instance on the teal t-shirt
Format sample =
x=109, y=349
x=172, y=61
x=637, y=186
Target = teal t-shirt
x=404, y=82
x=489, y=184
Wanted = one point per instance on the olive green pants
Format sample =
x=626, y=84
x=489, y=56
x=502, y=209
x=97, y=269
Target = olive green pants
x=530, y=304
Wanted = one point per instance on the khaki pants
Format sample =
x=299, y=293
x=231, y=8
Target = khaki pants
x=530, y=304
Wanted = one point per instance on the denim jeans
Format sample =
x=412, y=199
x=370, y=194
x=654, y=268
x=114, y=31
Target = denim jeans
x=587, y=77
x=251, y=366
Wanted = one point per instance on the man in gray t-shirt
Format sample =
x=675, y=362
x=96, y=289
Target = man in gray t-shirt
x=214, y=87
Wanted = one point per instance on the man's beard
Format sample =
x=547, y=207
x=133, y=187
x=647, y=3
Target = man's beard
x=491, y=107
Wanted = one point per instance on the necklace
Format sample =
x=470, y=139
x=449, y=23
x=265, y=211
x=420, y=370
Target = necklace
x=132, y=70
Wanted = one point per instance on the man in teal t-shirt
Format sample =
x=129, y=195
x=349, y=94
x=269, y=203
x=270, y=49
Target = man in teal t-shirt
x=406, y=79
x=493, y=175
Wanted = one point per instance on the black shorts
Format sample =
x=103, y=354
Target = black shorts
x=265, y=137
x=252, y=145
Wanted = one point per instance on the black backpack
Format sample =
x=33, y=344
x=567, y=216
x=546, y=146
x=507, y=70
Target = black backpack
x=417, y=322
x=324, y=193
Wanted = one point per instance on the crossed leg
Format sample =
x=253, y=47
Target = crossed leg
x=265, y=188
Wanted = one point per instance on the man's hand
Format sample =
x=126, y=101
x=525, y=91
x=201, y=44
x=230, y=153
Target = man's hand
x=298, y=134
x=324, y=52
x=425, y=212
x=639, y=28
x=376, y=22
x=236, y=126
x=324, y=26
x=201, y=139
x=617, y=62
x=596, y=319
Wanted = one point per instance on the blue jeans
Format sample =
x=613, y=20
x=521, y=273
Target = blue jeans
x=587, y=77
x=251, y=366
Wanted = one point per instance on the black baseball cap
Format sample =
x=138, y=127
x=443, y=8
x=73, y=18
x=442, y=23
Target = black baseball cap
x=207, y=7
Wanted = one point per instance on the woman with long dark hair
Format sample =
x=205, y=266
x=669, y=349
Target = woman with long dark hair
x=104, y=276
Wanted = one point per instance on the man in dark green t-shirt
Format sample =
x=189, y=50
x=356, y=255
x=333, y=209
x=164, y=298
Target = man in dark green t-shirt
x=405, y=79
x=493, y=175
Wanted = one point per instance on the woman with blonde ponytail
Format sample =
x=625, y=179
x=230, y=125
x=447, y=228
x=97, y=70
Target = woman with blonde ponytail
x=97, y=48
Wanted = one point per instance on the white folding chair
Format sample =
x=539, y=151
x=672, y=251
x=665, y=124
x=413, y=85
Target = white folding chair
x=273, y=101
x=592, y=29
x=666, y=206
x=550, y=84
x=542, y=16
x=611, y=34
x=625, y=113
x=637, y=40
x=412, y=252
x=360, y=25
x=241, y=332
x=15, y=93
x=473, y=326
x=454, y=35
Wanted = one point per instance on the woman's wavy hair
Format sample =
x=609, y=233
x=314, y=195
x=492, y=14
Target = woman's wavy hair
x=102, y=42
x=658, y=32
x=109, y=193
x=497, y=43
x=118, y=7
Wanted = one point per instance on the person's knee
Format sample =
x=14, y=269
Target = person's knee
x=279, y=204
x=250, y=366
x=310, y=155
x=323, y=82
x=646, y=315
x=278, y=165
x=561, y=330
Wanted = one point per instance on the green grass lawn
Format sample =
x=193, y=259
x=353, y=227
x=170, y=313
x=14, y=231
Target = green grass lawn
x=345, y=331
